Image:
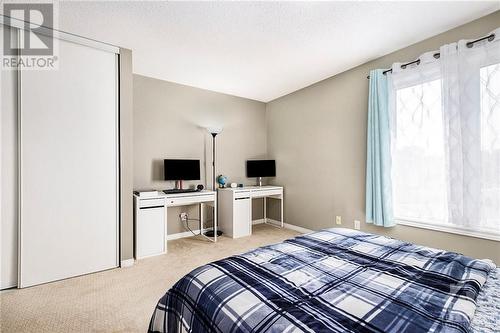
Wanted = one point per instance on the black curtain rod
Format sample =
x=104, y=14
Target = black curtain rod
x=490, y=38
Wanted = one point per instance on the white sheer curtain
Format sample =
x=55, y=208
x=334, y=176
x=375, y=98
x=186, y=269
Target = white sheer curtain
x=417, y=145
x=446, y=137
x=471, y=85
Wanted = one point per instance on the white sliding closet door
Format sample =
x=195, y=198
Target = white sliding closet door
x=69, y=166
x=9, y=167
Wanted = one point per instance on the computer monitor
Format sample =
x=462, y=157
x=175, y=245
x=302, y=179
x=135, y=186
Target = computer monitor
x=177, y=169
x=261, y=168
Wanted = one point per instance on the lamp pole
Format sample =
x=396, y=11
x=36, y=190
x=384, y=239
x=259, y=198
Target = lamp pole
x=214, y=131
x=213, y=160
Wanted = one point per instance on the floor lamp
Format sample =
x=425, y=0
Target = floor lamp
x=213, y=131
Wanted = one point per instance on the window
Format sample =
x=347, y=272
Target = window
x=424, y=174
x=490, y=146
x=418, y=164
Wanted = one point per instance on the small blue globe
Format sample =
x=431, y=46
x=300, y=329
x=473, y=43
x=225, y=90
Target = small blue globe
x=222, y=180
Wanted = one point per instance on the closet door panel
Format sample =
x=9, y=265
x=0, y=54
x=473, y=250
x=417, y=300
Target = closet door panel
x=9, y=167
x=69, y=198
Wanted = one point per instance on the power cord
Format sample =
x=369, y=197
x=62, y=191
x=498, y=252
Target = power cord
x=185, y=222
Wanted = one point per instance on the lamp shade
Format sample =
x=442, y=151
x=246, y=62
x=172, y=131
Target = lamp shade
x=214, y=129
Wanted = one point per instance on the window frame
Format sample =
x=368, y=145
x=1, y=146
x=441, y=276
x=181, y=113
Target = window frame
x=448, y=229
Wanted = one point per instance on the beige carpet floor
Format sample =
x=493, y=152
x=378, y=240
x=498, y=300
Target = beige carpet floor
x=123, y=299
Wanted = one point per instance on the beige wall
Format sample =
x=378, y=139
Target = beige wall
x=318, y=137
x=126, y=156
x=169, y=121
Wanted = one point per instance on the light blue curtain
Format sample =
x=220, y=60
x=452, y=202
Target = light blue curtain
x=378, y=159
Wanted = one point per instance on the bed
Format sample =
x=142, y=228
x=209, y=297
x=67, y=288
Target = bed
x=333, y=280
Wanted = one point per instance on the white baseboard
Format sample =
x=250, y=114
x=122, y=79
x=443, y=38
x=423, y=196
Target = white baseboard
x=286, y=225
x=185, y=234
x=258, y=221
x=182, y=234
x=296, y=228
x=9, y=286
x=254, y=222
x=127, y=263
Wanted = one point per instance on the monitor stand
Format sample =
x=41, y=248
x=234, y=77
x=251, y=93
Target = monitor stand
x=178, y=189
x=259, y=181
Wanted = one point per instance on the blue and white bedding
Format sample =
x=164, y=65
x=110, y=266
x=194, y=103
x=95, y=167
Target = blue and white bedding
x=487, y=316
x=334, y=280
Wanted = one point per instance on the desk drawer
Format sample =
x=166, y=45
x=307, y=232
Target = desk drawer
x=266, y=193
x=145, y=203
x=181, y=201
x=241, y=194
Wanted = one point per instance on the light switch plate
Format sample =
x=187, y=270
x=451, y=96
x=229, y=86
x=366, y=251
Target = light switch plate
x=338, y=219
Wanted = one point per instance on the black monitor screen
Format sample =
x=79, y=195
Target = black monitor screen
x=181, y=169
x=261, y=168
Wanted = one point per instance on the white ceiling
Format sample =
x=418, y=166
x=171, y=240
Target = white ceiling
x=261, y=50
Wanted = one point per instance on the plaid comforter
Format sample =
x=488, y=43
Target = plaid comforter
x=334, y=280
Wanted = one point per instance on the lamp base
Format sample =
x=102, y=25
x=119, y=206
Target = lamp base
x=210, y=233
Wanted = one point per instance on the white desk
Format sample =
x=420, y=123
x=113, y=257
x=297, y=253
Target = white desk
x=236, y=208
x=191, y=198
x=150, y=225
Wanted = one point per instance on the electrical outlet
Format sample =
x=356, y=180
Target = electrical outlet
x=183, y=216
x=338, y=219
x=357, y=225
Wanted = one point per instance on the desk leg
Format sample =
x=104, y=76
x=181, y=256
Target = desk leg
x=215, y=219
x=276, y=225
x=265, y=209
x=200, y=216
x=281, y=210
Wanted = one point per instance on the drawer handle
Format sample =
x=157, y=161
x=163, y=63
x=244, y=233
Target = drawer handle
x=151, y=207
x=242, y=198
